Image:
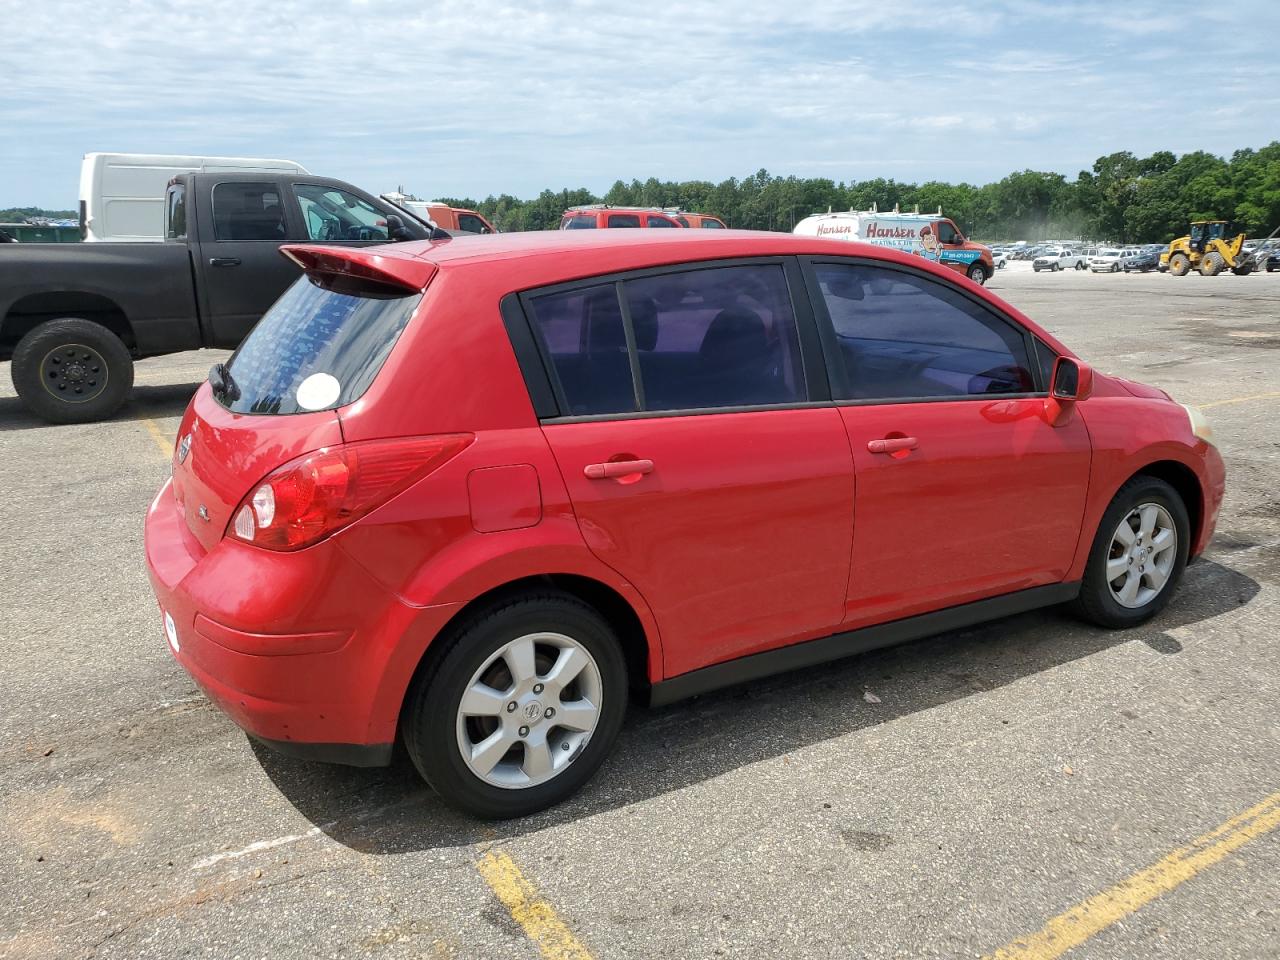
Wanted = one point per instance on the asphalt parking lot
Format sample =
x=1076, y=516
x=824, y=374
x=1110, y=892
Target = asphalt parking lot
x=1030, y=788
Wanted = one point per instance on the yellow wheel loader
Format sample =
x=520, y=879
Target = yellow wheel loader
x=1210, y=249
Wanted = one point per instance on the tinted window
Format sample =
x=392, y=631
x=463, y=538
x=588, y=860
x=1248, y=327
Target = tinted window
x=248, y=211
x=624, y=220
x=662, y=222
x=946, y=232
x=901, y=336
x=471, y=223
x=319, y=346
x=713, y=224
x=175, y=212
x=582, y=332
x=1046, y=358
x=724, y=336
x=579, y=223
x=333, y=214
x=684, y=221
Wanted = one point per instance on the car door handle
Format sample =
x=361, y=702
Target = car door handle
x=616, y=468
x=224, y=262
x=892, y=444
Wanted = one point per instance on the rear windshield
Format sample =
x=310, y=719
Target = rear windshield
x=318, y=347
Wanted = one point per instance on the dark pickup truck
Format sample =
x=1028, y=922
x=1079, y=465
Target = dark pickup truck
x=74, y=317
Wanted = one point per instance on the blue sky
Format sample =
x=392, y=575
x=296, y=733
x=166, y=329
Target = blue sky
x=478, y=97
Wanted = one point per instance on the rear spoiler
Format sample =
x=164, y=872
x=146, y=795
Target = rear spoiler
x=408, y=273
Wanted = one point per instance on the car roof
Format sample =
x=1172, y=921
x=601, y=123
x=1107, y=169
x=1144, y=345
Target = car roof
x=645, y=245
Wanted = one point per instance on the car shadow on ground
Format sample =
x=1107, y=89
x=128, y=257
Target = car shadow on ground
x=391, y=810
x=145, y=401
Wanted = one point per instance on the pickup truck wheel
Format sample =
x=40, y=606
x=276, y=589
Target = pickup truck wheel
x=72, y=371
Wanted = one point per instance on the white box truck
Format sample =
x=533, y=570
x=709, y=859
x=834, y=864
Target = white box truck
x=122, y=194
x=927, y=235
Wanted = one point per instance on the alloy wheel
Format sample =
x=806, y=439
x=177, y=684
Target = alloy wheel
x=1142, y=555
x=529, y=710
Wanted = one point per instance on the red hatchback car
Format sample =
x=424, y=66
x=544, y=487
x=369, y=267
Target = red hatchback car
x=478, y=493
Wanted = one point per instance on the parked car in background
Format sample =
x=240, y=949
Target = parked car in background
x=999, y=259
x=1058, y=260
x=1107, y=260
x=74, y=317
x=452, y=219
x=1142, y=262
x=1272, y=260
x=602, y=216
x=122, y=194
x=456, y=521
x=698, y=220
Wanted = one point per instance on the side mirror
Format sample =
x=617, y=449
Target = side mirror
x=396, y=230
x=1072, y=380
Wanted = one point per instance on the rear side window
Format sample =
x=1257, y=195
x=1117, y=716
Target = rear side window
x=712, y=224
x=248, y=211
x=705, y=338
x=904, y=336
x=583, y=336
x=662, y=222
x=579, y=223
x=175, y=212
x=624, y=220
x=719, y=337
x=320, y=346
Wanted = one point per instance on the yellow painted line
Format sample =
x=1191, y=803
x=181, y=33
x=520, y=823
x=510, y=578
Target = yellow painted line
x=1069, y=930
x=1256, y=396
x=536, y=916
x=163, y=442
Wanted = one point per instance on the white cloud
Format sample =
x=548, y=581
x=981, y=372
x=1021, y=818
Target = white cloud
x=479, y=96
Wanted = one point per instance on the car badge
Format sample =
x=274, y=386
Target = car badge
x=184, y=447
x=204, y=513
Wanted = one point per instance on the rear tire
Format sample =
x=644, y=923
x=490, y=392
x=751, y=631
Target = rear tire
x=481, y=650
x=1179, y=264
x=72, y=371
x=1102, y=600
x=1211, y=265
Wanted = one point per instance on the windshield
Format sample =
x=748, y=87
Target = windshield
x=318, y=347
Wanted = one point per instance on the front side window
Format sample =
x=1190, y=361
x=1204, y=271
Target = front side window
x=905, y=336
x=712, y=223
x=656, y=221
x=946, y=232
x=717, y=337
x=333, y=214
x=175, y=212
x=472, y=223
x=624, y=220
x=248, y=211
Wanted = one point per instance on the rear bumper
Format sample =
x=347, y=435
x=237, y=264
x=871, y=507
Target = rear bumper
x=305, y=651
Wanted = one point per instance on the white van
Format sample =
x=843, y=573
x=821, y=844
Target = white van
x=928, y=235
x=122, y=194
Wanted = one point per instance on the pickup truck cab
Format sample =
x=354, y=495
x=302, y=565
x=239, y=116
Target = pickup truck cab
x=74, y=317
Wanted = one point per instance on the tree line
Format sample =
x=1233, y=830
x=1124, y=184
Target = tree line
x=1122, y=198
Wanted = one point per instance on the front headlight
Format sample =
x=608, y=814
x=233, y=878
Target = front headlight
x=1199, y=423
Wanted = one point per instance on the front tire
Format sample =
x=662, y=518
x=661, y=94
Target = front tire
x=977, y=273
x=520, y=706
x=72, y=371
x=1138, y=555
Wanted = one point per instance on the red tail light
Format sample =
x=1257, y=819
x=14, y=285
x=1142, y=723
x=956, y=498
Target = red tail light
x=321, y=492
